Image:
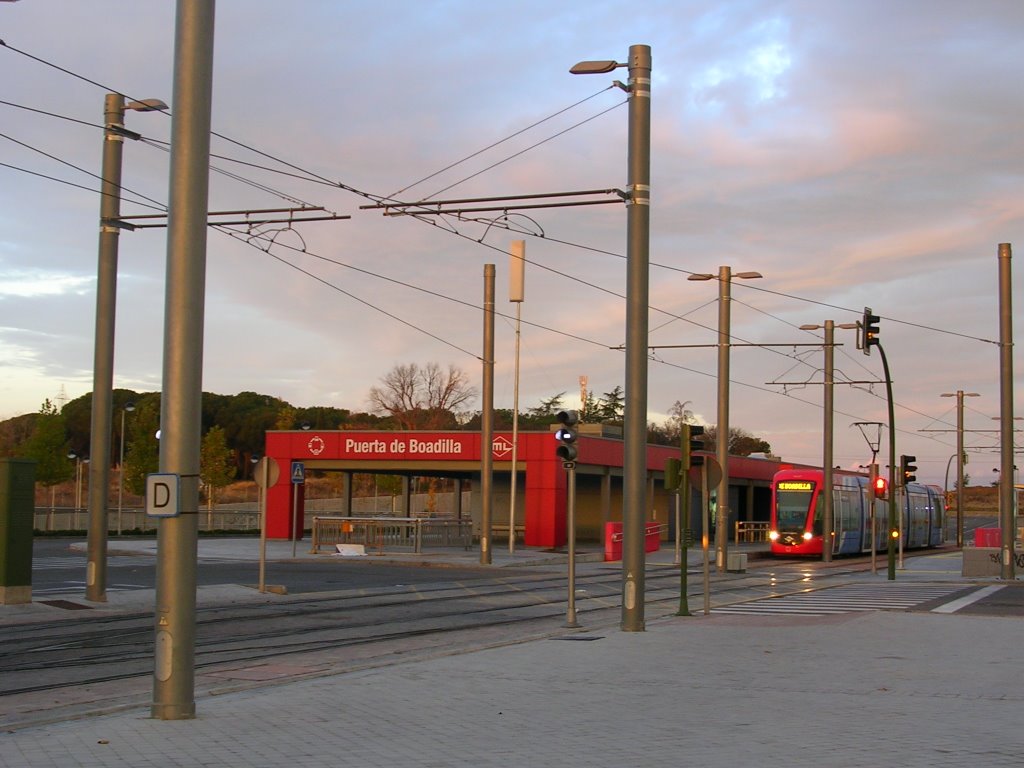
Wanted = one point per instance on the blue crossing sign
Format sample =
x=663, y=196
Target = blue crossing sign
x=298, y=473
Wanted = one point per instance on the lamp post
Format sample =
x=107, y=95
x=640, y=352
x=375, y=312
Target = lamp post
x=128, y=408
x=638, y=205
x=516, y=295
x=103, y=352
x=79, y=461
x=827, y=540
x=960, y=457
x=725, y=278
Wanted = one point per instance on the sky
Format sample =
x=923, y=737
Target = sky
x=854, y=154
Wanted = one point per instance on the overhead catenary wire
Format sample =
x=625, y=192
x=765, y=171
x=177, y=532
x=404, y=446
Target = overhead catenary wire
x=317, y=178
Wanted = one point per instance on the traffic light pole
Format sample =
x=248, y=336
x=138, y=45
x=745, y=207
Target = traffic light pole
x=894, y=526
x=570, y=615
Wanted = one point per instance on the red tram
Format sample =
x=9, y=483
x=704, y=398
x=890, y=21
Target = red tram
x=797, y=520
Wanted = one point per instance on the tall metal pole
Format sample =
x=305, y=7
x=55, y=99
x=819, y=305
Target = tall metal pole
x=516, y=285
x=175, y=614
x=1006, y=474
x=826, y=491
x=103, y=353
x=895, y=514
x=570, y=611
x=634, y=497
x=722, y=442
x=960, y=455
x=487, y=420
x=127, y=407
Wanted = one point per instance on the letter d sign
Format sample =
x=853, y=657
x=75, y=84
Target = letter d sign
x=162, y=495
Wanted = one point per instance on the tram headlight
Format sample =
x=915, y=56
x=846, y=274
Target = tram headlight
x=773, y=535
x=808, y=535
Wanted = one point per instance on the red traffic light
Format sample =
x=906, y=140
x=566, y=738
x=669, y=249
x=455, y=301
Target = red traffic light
x=881, y=487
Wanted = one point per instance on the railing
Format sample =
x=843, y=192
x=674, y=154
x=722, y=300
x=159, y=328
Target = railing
x=380, y=532
x=749, y=533
x=65, y=519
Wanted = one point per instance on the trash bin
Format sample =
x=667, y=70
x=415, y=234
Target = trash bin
x=17, y=503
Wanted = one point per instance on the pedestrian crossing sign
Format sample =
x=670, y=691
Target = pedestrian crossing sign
x=298, y=473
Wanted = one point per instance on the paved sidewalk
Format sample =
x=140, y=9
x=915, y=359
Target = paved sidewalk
x=855, y=690
x=860, y=689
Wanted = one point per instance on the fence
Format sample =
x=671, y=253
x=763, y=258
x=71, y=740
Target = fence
x=134, y=520
x=749, y=532
x=380, y=532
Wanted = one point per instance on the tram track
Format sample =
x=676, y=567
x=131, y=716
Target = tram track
x=119, y=649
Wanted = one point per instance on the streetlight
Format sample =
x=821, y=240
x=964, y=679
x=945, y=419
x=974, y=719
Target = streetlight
x=128, y=408
x=829, y=408
x=638, y=231
x=725, y=278
x=79, y=461
x=960, y=460
x=103, y=353
x=516, y=295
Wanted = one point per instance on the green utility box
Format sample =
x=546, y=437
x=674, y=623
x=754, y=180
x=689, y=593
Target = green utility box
x=17, y=504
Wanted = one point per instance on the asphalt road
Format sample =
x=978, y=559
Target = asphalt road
x=56, y=569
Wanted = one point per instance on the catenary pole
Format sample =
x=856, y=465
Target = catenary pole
x=175, y=614
x=638, y=223
x=103, y=353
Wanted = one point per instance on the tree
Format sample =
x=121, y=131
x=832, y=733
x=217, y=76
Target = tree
x=677, y=417
x=613, y=405
x=216, y=461
x=422, y=398
x=547, y=408
x=741, y=442
x=48, y=447
x=142, y=454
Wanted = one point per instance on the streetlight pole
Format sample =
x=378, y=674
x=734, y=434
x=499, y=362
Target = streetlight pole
x=827, y=514
x=634, y=470
x=128, y=408
x=103, y=352
x=1006, y=488
x=725, y=278
x=516, y=295
x=960, y=395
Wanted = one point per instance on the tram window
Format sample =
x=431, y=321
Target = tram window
x=791, y=508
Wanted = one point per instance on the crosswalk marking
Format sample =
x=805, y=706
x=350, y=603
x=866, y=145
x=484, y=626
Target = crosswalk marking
x=848, y=598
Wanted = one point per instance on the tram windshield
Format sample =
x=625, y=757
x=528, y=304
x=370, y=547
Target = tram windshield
x=792, y=502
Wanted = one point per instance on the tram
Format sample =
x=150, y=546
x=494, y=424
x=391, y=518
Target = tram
x=796, y=526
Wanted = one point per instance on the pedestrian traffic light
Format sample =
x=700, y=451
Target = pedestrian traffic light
x=908, y=468
x=869, y=330
x=672, y=474
x=690, y=443
x=566, y=435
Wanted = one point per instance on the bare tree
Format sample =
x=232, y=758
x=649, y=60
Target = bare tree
x=422, y=398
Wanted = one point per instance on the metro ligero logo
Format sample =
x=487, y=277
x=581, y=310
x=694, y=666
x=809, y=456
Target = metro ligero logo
x=501, y=447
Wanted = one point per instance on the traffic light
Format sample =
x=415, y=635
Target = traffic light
x=566, y=435
x=908, y=468
x=690, y=443
x=672, y=474
x=879, y=485
x=869, y=329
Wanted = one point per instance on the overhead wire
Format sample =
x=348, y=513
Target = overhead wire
x=317, y=178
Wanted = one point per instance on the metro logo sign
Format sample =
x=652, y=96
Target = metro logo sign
x=501, y=447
